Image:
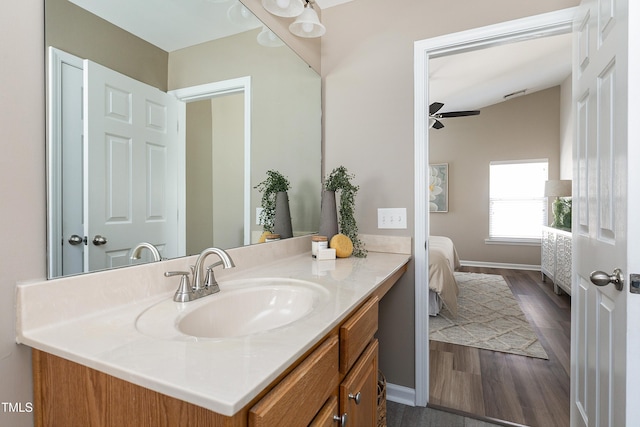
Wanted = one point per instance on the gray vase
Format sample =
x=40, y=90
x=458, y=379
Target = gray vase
x=328, y=215
x=282, y=217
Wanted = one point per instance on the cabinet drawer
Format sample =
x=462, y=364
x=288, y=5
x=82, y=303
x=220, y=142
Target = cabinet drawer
x=325, y=417
x=299, y=396
x=357, y=332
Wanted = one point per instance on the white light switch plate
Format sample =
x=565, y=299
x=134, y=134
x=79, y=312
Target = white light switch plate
x=392, y=218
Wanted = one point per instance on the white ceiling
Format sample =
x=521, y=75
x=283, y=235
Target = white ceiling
x=175, y=24
x=480, y=78
x=465, y=81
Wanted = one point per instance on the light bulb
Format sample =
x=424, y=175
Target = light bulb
x=244, y=12
x=307, y=27
x=283, y=4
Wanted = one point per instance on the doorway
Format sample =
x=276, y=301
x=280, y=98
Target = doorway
x=232, y=94
x=537, y=26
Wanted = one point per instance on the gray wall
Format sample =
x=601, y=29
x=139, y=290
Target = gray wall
x=76, y=31
x=523, y=128
x=285, y=111
x=368, y=85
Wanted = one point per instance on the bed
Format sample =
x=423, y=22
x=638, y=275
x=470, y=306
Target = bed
x=443, y=288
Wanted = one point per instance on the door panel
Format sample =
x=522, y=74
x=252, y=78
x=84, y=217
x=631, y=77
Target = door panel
x=599, y=313
x=131, y=154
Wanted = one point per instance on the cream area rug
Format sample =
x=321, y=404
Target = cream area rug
x=489, y=317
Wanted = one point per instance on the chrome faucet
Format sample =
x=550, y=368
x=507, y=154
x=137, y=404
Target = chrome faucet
x=135, y=252
x=207, y=285
x=201, y=286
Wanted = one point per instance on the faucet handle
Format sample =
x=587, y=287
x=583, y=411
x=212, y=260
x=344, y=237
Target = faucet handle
x=210, y=282
x=185, y=292
x=176, y=273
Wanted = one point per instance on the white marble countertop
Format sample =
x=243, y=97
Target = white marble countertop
x=220, y=375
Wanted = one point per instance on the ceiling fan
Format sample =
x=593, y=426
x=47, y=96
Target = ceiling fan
x=434, y=116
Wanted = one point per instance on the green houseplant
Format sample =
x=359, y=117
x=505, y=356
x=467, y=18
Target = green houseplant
x=274, y=183
x=339, y=180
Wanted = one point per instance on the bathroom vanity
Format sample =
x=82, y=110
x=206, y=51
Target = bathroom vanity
x=98, y=366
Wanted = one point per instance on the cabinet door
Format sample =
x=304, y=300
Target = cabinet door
x=359, y=390
x=563, y=263
x=548, y=248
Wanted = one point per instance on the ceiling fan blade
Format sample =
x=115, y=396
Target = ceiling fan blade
x=458, y=114
x=437, y=124
x=434, y=107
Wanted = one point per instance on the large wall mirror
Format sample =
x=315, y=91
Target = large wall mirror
x=163, y=116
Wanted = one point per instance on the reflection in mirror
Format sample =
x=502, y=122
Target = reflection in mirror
x=184, y=180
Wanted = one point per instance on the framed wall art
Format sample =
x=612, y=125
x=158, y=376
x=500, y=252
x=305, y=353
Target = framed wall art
x=439, y=187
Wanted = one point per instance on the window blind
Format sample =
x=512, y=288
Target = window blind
x=517, y=206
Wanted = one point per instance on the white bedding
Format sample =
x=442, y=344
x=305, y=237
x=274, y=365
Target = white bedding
x=443, y=261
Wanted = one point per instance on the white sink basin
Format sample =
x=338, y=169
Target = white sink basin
x=241, y=308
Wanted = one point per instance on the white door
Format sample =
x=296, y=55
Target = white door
x=604, y=336
x=71, y=170
x=131, y=168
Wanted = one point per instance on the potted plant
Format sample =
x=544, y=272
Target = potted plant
x=275, y=216
x=339, y=180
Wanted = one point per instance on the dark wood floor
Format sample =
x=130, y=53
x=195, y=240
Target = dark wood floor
x=501, y=386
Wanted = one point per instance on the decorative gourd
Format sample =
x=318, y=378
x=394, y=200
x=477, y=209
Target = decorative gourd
x=263, y=236
x=342, y=244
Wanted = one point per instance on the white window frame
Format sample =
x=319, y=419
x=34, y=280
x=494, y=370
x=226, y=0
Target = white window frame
x=525, y=241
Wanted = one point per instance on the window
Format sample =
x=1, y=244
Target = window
x=517, y=206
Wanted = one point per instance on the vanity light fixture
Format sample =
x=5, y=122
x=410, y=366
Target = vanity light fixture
x=238, y=14
x=308, y=24
x=268, y=38
x=283, y=8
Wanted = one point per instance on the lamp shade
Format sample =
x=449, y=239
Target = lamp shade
x=238, y=14
x=308, y=24
x=283, y=8
x=557, y=188
x=268, y=38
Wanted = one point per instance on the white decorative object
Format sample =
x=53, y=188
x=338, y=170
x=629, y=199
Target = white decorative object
x=556, y=258
x=324, y=254
x=307, y=24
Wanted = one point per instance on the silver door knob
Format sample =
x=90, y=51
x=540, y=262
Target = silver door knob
x=99, y=240
x=600, y=278
x=341, y=419
x=76, y=240
x=355, y=397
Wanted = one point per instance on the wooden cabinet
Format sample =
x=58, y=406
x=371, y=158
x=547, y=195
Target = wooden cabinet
x=556, y=258
x=334, y=381
x=307, y=396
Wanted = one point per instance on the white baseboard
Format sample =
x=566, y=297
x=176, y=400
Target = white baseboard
x=401, y=394
x=500, y=265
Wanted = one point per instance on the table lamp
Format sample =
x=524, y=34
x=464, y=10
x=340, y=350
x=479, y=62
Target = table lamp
x=561, y=190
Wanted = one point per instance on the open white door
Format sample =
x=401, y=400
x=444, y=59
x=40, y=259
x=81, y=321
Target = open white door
x=604, y=331
x=131, y=155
